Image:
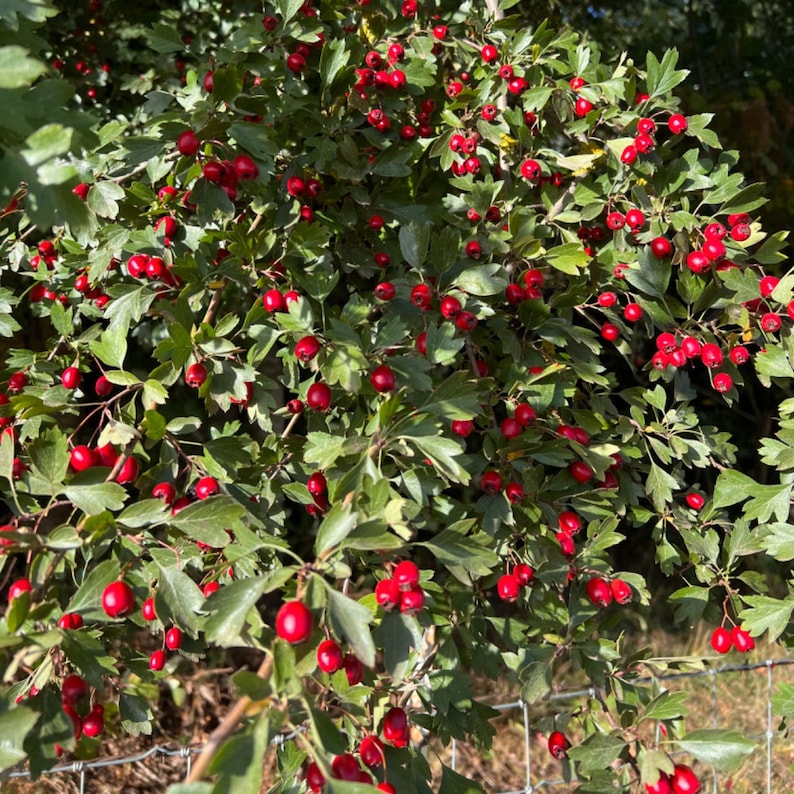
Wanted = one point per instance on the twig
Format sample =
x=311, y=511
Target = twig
x=227, y=726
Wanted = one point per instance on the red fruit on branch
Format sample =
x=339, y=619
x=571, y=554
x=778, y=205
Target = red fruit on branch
x=294, y=622
x=118, y=599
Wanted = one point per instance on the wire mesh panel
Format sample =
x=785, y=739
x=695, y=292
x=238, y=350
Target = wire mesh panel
x=731, y=697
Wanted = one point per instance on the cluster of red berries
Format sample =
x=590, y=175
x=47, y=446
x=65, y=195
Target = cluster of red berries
x=86, y=719
x=682, y=781
x=671, y=353
x=360, y=767
x=83, y=457
x=722, y=640
x=533, y=282
x=331, y=658
x=601, y=592
x=510, y=584
x=172, y=639
x=401, y=590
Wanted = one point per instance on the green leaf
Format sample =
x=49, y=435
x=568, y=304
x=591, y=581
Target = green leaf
x=49, y=462
x=663, y=77
x=773, y=362
x=597, y=751
x=461, y=552
x=228, y=607
x=88, y=655
x=288, y=8
x=207, y=520
x=536, y=682
x=442, y=453
x=414, y=240
x=103, y=198
x=239, y=762
x=177, y=599
x=783, y=700
x=666, y=706
x=660, y=486
x=719, y=748
x=763, y=613
x=136, y=714
x=568, y=258
x=482, y=280
x=334, y=56
x=145, y=513
x=652, y=276
x=111, y=347
x=454, y=783
x=164, y=38
x=457, y=397
x=90, y=493
x=778, y=541
x=17, y=69
x=15, y=724
x=350, y=621
x=337, y=524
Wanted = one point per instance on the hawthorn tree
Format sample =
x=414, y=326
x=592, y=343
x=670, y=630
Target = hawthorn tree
x=365, y=339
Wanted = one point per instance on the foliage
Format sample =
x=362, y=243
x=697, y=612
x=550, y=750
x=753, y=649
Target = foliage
x=392, y=304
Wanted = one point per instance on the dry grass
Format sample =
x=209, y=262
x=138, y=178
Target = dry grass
x=731, y=700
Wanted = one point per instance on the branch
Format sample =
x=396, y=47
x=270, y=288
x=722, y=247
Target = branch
x=226, y=727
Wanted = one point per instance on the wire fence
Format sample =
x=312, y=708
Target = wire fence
x=533, y=778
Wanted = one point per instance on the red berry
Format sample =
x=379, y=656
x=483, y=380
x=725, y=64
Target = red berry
x=742, y=640
x=82, y=458
x=173, y=639
x=741, y=232
x=118, y=600
x=523, y=573
x=511, y=428
x=677, y=124
x=128, y=472
x=635, y=218
x=462, y=427
x=599, y=592
x=580, y=471
x=273, y=301
x=723, y=382
x=385, y=291
x=661, y=786
x=164, y=491
x=530, y=169
x=157, y=660
x=412, y=601
x=371, y=751
x=661, y=247
x=684, y=780
x=406, y=575
x=395, y=727
x=318, y=397
x=387, y=593
x=721, y=640
x=558, y=745
x=621, y=591
x=382, y=379
x=315, y=779
x=73, y=688
x=514, y=493
x=695, y=500
x=294, y=622
x=196, y=375
x=508, y=588
x=71, y=377
x=329, y=656
x=491, y=482
x=147, y=610
x=206, y=487
x=610, y=332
